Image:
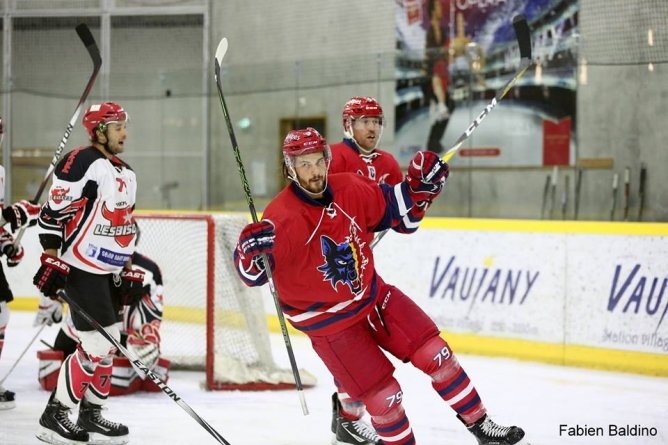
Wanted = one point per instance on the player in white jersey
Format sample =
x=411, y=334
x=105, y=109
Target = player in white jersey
x=140, y=333
x=88, y=234
x=17, y=215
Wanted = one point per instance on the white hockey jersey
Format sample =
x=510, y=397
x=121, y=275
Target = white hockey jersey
x=89, y=208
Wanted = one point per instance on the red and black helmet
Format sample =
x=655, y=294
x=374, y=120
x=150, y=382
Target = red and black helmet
x=97, y=116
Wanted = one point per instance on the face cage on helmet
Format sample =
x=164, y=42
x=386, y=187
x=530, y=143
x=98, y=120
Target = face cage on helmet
x=292, y=173
x=349, y=134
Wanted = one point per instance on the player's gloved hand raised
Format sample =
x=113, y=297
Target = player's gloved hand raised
x=257, y=239
x=22, y=213
x=129, y=286
x=49, y=312
x=426, y=176
x=13, y=253
x=51, y=275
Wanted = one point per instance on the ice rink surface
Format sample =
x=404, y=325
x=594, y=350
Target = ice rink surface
x=537, y=397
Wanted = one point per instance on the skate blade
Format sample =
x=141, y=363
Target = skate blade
x=7, y=405
x=101, y=439
x=48, y=436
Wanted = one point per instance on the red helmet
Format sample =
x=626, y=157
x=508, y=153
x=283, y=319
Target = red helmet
x=358, y=108
x=361, y=106
x=97, y=116
x=302, y=142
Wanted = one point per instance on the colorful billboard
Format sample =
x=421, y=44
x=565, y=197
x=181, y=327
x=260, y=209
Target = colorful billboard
x=453, y=57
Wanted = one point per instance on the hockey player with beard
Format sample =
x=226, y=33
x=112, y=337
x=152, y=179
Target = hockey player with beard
x=315, y=234
x=88, y=234
x=363, y=124
x=18, y=215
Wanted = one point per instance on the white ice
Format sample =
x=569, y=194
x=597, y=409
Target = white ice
x=534, y=396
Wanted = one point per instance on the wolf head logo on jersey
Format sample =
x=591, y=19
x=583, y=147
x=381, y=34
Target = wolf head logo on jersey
x=341, y=263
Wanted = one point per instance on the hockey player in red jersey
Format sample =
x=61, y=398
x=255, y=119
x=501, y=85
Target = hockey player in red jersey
x=88, y=234
x=18, y=215
x=315, y=234
x=363, y=124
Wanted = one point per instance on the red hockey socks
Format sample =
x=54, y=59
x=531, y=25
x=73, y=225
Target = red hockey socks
x=449, y=379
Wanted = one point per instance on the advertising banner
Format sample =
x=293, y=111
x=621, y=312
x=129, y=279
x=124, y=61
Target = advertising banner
x=455, y=54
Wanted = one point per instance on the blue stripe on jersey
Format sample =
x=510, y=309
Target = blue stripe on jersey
x=313, y=307
x=341, y=315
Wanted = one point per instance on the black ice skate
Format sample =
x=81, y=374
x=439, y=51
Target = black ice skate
x=489, y=433
x=6, y=399
x=101, y=430
x=351, y=432
x=55, y=426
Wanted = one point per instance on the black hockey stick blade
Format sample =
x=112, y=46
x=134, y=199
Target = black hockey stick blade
x=89, y=42
x=523, y=35
x=141, y=367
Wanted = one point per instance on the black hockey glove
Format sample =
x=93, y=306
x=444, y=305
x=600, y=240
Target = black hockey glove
x=129, y=286
x=51, y=276
x=22, y=213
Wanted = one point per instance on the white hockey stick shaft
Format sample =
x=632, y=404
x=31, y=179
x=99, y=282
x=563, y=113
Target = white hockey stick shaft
x=89, y=42
x=220, y=53
x=139, y=365
x=39, y=331
x=523, y=35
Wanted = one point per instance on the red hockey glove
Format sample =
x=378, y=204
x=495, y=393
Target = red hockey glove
x=51, y=276
x=426, y=176
x=257, y=239
x=145, y=344
x=22, y=213
x=129, y=286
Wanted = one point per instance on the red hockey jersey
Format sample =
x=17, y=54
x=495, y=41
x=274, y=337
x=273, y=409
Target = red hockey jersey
x=322, y=264
x=380, y=166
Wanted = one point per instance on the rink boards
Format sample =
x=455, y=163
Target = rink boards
x=589, y=294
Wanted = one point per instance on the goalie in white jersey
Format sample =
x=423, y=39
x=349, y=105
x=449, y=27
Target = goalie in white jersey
x=88, y=234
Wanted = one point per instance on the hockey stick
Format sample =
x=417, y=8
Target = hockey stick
x=523, y=35
x=641, y=190
x=578, y=184
x=89, y=42
x=615, y=179
x=627, y=192
x=139, y=365
x=220, y=53
x=546, y=190
x=553, y=190
x=564, y=198
x=39, y=331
